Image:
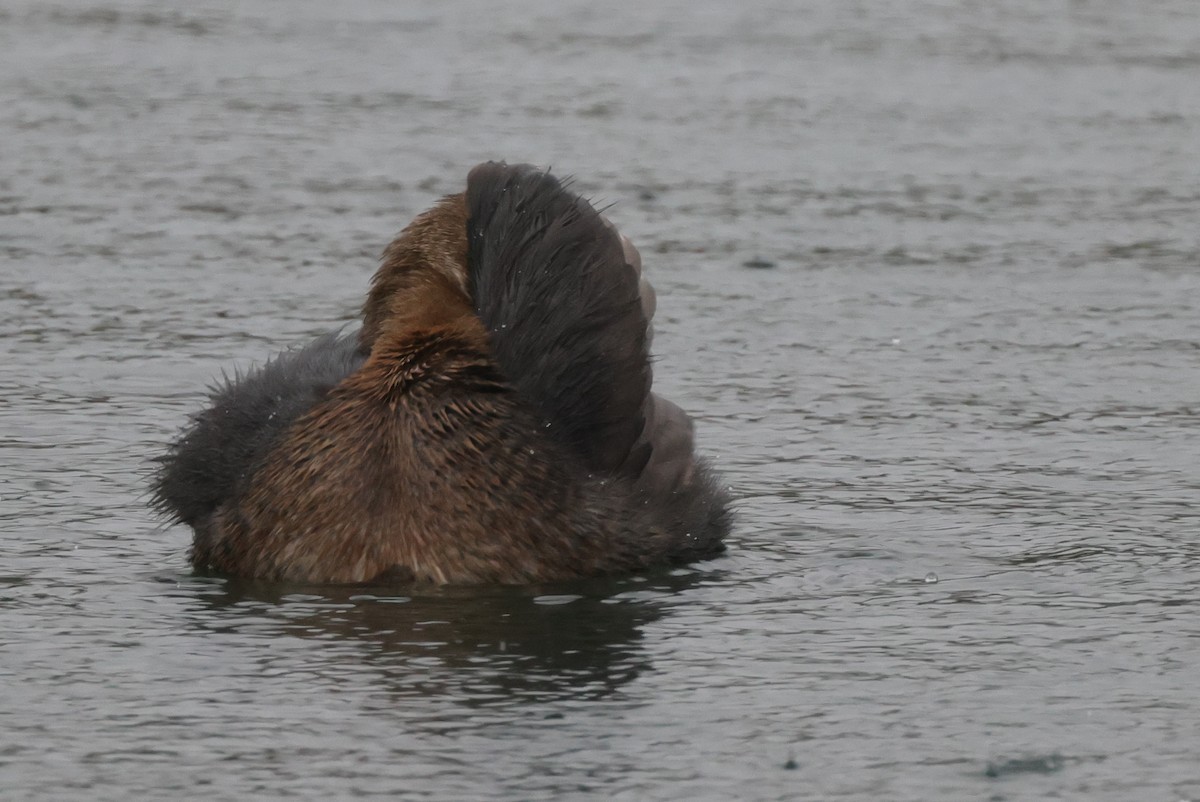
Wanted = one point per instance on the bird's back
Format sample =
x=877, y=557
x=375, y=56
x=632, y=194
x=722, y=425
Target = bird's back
x=493, y=420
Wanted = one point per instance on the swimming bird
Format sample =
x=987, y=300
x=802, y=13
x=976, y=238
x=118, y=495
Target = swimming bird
x=492, y=421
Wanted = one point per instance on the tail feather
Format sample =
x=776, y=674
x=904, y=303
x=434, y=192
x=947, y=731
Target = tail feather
x=246, y=417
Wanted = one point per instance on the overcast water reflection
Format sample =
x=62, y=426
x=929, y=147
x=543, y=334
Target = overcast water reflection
x=928, y=278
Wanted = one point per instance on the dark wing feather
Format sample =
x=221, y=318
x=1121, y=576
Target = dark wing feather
x=551, y=283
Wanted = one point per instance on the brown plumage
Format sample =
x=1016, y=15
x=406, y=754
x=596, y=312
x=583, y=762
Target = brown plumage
x=492, y=421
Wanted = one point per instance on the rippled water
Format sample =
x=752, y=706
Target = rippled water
x=929, y=276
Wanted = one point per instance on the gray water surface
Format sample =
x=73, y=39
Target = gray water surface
x=959, y=405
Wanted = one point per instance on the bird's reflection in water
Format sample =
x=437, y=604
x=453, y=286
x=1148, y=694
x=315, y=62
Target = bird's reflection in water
x=484, y=645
